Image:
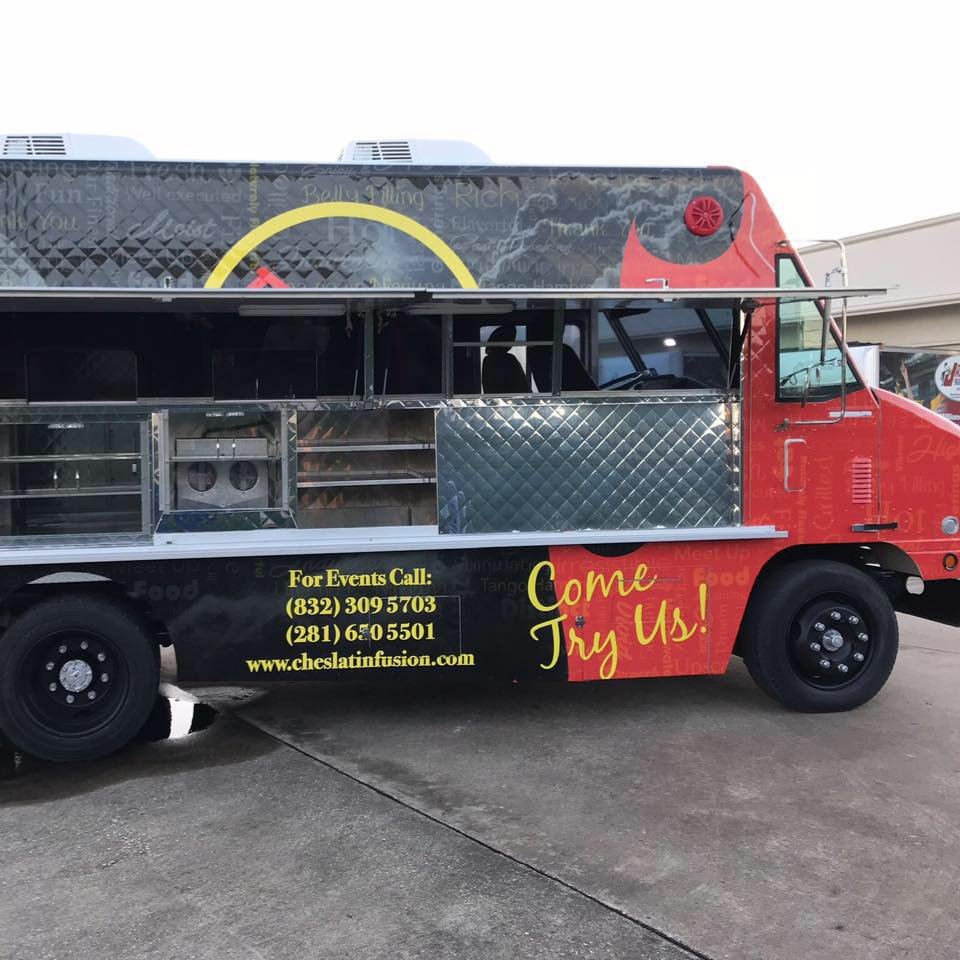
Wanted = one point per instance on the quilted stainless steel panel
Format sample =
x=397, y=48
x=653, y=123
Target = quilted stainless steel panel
x=556, y=465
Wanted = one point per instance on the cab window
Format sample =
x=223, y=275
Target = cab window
x=804, y=369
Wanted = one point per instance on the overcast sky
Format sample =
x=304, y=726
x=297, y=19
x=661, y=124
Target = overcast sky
x=846, y=113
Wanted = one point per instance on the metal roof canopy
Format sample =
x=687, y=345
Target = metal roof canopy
x=227, y=299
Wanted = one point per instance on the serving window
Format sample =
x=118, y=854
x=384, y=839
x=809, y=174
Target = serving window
x=490, y=353
x=123, y=356
x=407, y=354
x=665, y=348
x=357, y=351
x=502, y=350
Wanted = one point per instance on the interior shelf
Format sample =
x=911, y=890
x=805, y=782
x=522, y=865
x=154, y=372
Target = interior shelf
x=361, y=479
x=237, y=459
x=39, y=492
x=69, y=457
x=380, y=446
x=367, y=468
x=77, y=475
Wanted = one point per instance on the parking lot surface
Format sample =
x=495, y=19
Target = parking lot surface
x=666, y=819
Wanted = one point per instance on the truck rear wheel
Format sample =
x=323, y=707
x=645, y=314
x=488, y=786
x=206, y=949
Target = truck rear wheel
x=820, y=636
x=78, y=678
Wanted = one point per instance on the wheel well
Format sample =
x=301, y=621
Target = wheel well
x=80, y=584
x=886, y=563
x=880, y=560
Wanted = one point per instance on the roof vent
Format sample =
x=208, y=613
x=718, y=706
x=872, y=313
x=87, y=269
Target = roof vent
x=30, y=145
x=380, y=151
x=70, y=146
x=430, y=153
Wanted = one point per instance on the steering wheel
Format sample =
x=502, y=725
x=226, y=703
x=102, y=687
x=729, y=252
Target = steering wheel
x=624, y=381
x=639, y=380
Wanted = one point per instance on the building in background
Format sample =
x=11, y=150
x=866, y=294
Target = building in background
x=916, y=325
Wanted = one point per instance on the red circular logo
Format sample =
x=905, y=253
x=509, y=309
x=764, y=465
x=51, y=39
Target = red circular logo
x=703, y=216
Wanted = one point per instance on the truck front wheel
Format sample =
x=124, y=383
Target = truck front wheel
x=819, y=636
x=78, y=678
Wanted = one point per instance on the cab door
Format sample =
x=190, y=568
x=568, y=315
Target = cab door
x=812, y=453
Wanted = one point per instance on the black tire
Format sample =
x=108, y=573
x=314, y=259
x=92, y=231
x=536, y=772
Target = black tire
x=78, y=678
x=819, y=636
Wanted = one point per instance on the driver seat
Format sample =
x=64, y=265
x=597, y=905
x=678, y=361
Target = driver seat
x=501, y=371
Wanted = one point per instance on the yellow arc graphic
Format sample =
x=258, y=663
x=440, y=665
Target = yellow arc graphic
x=320, y=211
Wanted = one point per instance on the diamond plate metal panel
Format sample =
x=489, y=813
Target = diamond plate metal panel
x=556, y=465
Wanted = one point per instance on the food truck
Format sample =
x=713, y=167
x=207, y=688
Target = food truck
x=409, y=415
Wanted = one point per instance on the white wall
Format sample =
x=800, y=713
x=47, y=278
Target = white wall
x=933, y=327
x=916, y=262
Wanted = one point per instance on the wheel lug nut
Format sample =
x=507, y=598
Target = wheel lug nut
x=69, y=698
x=825, y=663
x=63, y=648
x=815, y=647
x=834, y=614
x=91, y=694
x=858, y=656
x=52, y=688
x=820, y=626
x=84, y=644
x=842, y=667
x=104, y=677
x=49, y=666
x=863, y=637
x=101, y=657
x=853, y=620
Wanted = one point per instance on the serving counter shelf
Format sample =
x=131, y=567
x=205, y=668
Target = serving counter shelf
x=361, y=479
x=47, y=492
x=360, y=446
x=70, y=457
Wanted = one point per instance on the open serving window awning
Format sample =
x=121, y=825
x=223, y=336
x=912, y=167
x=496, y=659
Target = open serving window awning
x=262, y=302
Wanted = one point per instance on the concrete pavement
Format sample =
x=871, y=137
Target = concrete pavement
x=234, y=846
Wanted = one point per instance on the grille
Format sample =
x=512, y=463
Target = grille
x=29, y=145
x=862, y=480
x=382, y=151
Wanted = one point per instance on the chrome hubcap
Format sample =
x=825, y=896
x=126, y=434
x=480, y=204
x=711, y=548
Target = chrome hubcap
x=77, y=671
x=832, y=640
x=76, y=676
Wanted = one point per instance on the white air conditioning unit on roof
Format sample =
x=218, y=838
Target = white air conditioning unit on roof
x=426, y=153
x=70, y=146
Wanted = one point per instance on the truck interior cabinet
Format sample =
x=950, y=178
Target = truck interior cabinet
x=77, y=477
x=221, y=461
x=371, y=468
